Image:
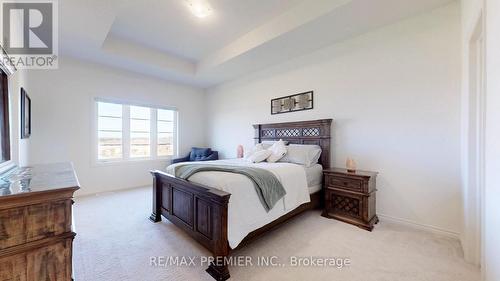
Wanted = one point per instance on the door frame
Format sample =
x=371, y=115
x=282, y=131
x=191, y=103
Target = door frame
x=474, y=146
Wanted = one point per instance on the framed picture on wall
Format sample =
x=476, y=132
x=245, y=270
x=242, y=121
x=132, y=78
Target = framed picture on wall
x=297, y=102
x=25, y=115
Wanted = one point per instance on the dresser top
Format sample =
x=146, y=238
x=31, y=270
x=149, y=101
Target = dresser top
x=343, y=171
x=38, y=179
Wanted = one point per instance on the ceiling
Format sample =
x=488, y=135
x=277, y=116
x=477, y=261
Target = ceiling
x=162, y=38
x=171, y=28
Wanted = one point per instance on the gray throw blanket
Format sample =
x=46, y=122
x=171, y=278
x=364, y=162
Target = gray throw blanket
x=268, y=187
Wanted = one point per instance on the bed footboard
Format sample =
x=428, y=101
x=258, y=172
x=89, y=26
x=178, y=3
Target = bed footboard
x=199, y=210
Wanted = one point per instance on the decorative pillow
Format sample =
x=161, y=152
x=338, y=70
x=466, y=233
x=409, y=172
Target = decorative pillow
x=278, y=150
x=302, y=154
x=268, y=144
x=252, y=150
x=259, y=156
x=198, y=153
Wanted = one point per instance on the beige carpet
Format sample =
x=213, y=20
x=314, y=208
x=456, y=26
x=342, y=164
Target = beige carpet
x=115, y=241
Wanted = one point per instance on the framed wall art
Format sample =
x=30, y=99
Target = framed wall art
x=25, y=115
x=297, y=102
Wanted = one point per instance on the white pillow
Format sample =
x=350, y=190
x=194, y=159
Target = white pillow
x=252, y=150
x=268, y=144
x=259, y=156
x=303, y=154
x=278, y=150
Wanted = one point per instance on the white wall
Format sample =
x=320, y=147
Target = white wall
x=395, y=97
x=61, y=113
x=492, y=188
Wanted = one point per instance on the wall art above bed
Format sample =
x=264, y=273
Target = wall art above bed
x=297, y=102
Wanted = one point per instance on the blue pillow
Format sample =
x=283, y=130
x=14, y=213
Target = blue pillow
x=198, y=153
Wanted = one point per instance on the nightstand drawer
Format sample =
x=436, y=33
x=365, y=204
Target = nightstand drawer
x=340, y=182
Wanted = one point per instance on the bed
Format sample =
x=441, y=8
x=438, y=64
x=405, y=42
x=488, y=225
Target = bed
x=227, y=217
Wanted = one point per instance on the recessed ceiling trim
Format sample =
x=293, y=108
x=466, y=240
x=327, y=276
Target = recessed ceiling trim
x=126, y=49
x=286, y=22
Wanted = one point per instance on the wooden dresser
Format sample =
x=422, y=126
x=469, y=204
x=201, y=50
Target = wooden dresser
x=350, y=197
x=36, y=223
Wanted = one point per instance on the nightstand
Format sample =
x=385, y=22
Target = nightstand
x=350, y=197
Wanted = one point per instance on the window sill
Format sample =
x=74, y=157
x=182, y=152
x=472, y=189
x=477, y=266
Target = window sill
x=135, y=161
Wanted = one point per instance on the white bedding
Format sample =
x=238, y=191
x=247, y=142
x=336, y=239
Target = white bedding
x=245, y=211
x=314, y=188
x=314, y=175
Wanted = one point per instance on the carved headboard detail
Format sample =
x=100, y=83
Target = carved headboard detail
x=303, y=132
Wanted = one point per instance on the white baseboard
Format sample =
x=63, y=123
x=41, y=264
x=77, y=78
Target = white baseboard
x=92, y=194
x=420, y=226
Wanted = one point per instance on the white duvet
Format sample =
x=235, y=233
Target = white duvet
x=245, y=211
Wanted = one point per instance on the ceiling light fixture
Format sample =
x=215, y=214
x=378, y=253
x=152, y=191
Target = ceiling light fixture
x=199, y=8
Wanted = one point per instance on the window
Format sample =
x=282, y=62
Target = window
x=140, y=131
x=134, y=132
x=165, y=123
x=109, y=130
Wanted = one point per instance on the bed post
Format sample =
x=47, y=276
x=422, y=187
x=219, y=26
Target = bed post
x=156, y=213
x=257, y=134
x=218, y=269
x=219, y=272
x=199, y=210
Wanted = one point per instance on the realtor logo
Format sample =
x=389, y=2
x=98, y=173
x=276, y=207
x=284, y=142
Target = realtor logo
x=29, y=34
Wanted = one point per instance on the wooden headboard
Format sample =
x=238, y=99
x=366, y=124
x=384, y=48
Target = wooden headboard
x=303, y=132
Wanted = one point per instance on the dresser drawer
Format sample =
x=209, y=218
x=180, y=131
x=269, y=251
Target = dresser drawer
x=34, y=222
x=341, y=182
x=52, y=262
x=49, y=219
x=13, y=268
x=12, y=227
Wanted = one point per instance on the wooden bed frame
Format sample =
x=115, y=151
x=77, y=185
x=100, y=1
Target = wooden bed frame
x=201, y=211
